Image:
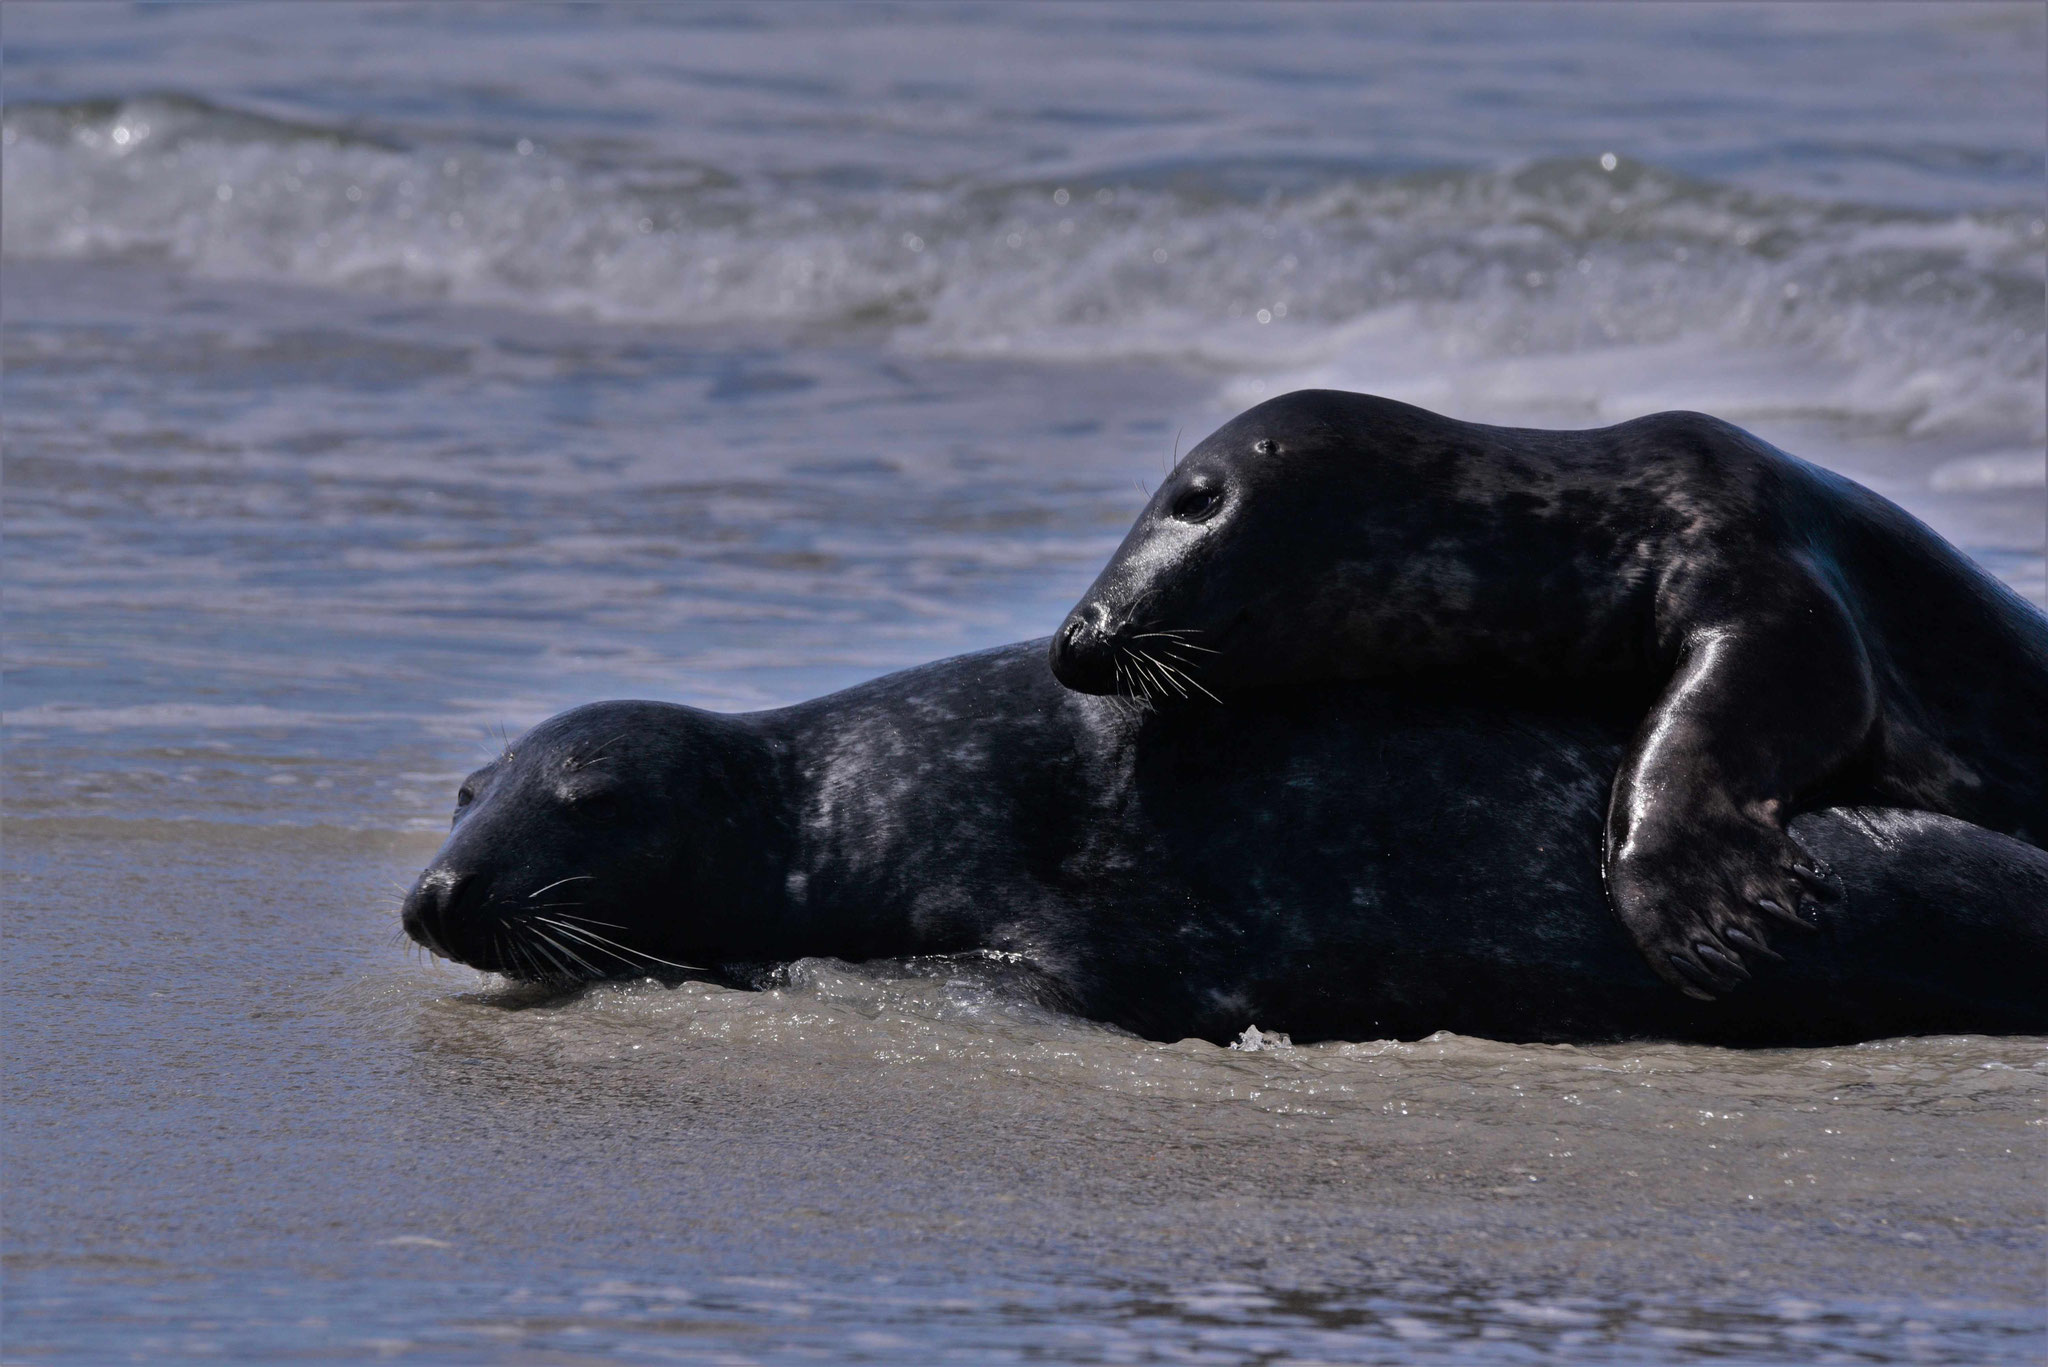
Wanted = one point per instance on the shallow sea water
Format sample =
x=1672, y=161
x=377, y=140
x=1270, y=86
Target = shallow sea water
x=379, y=379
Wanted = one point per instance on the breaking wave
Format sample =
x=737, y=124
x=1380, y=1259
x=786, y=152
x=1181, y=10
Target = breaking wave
x=1595, y=283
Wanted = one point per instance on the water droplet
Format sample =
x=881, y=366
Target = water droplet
x=1608, y=161
x=1060, y=195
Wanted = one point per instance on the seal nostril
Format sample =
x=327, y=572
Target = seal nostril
x=1083, y=655
x=431, y=912
x=456, y=890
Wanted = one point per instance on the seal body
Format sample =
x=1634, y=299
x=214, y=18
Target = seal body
x=1795, y=638
x=1335, y=862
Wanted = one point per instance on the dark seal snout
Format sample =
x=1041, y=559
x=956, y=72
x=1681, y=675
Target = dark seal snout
x=436, y=908
x=1084, y=650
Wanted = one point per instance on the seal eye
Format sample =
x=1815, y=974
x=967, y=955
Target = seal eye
x=1265, y=446
x=1197, y=503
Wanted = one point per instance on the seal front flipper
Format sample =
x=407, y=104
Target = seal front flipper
x=1702, y=900
x=1699, y=866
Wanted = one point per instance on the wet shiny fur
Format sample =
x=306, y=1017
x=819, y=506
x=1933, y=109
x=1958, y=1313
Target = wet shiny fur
x=1796, y=639
x=1343, y=862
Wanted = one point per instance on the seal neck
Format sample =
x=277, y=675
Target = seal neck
x=747, y=868
x=846, y=886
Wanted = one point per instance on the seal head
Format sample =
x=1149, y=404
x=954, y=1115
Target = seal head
x=1245, y=567
x=617, y=839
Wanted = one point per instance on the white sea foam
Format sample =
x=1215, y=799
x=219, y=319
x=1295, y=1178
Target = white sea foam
x=1563, y=284
x=1999, y=470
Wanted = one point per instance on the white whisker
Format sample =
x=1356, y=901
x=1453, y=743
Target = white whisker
x=587, y=921
x=600, y=942
x=553, y=944
x=588, y=967
x=1174, y=637
x=1138, y=663
x=1164, y=672
x=1125, y=686
x=585, y=939
x=1188, y=678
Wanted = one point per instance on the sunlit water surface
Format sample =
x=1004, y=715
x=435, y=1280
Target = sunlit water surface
x=378, y=381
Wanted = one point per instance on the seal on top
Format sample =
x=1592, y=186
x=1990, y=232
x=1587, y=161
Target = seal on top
x=1804, y=641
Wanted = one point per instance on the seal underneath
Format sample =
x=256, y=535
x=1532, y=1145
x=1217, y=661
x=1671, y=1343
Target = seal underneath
x=1335, y=862
x=1798, y=639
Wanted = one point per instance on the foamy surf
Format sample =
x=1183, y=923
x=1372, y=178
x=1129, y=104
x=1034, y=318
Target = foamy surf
x=1603, y=285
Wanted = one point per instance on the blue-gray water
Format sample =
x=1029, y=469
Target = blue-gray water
x=380, y=377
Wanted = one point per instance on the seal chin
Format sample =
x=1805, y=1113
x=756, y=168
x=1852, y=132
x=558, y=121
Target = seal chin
x=1082, y=655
